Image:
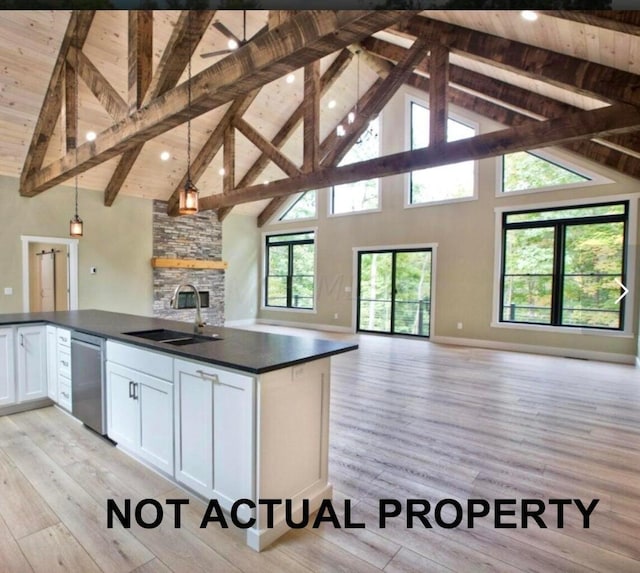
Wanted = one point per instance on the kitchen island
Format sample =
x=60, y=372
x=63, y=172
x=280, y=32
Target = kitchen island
x=230, y=415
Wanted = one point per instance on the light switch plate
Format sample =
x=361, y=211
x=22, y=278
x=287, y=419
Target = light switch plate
x=8, y=290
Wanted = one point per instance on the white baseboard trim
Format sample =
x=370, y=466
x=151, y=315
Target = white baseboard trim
x=242, y=322
x=537, y=349
x=307, y=325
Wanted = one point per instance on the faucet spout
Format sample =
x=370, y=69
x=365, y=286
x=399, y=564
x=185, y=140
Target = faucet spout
x=198, y=322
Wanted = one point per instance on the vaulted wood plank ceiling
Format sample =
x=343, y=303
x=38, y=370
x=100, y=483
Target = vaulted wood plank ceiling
x=570, y=79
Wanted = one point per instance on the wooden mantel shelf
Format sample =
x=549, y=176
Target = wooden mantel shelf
x=160, y=263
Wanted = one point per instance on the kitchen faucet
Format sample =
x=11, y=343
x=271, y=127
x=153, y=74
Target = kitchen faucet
x=198, y=326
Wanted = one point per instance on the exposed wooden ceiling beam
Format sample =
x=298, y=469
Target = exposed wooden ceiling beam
x=306, y=37
x=184, y=39
x=606, y=156
x=326, y=81
x=140, y=56
x=211, y=147
x=438, y=85
x=229, y=158
x=100, y=87
x=185, y=36
x=70, y=108
x=337, y=147
x=77, y=30
x=272, y=152
x=625, y=21
x=506, y=95
x=311, y=117
x=587, y=78
x=534, y=134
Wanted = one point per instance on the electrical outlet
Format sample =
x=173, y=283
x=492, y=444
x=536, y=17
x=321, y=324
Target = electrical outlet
x=335, y=316
x=459, y=326
x=8, y=290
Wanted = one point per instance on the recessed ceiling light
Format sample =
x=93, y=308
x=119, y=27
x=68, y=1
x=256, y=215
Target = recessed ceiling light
x=221, y=171
x=529, y=15
x=291, y=78
x=91, y=136
x=232, y=44
x=165, y=156
x=331, y=104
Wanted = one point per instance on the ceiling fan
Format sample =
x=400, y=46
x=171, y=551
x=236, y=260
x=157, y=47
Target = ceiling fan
x=233, y=41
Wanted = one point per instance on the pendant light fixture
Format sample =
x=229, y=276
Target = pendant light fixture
x=75, y=224
x=188, y=203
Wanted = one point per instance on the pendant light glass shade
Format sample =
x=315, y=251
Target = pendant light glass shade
x=75, y=226
x=188, y=199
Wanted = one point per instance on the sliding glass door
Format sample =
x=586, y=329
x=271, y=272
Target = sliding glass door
x=394, y=291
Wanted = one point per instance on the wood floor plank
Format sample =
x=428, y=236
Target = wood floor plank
x=407, y=561
x=15, y=489
x=153, y=566
x=55, y=550
x=112, y=549
x=11, y=556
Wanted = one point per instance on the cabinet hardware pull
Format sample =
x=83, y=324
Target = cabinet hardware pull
x=213, y=377
x=130, y=388
x=135, y=386
x=64, y=363
x=22, y=340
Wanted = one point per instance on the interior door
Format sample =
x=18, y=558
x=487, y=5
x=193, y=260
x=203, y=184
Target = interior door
x=394, y=291
x=47, y=282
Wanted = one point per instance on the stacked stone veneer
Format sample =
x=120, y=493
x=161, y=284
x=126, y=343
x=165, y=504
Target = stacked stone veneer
x=196, y=236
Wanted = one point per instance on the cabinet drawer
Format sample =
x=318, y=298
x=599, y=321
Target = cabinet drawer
x=64, y=337
x=64, y=362
x=152, y=363
x=64, y=392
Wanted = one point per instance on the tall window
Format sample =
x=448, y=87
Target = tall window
x=290, y=270
x=560, y=266
x=446, y=182
x=360, y=195
x=304, y=207
x=524, y=170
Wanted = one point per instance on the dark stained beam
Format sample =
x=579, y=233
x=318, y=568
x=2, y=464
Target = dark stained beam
x=211, y=147
x=531, y=135
x=311, y=117
x=335, y=147
x=327, y=79
x=439, y=82
x=100, y=87
x=306, y=37
x=140, y=56
x=183, y=41
x=70, y=108
x=77, y=31
x=587, y=78
x=272, y=152
x=332, y=73
x=594, y=151
x=622, y=21
x=229, y=158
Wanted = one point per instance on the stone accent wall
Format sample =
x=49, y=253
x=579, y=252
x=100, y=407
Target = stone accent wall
x=196, y=236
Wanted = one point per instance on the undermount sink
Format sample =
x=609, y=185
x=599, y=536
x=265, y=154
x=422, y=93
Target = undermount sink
x=174, y=337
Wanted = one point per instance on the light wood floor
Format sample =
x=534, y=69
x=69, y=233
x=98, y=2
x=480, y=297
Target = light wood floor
x=409, y=419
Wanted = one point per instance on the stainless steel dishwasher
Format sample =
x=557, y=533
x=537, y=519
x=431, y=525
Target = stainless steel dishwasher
x=88, y=388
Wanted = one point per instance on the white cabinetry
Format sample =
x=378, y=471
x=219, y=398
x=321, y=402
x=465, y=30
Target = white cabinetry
x=7, y=371
x=63, y=367
x=31, y=357
x=52, y=363
x=140, y=404
x=214, y=418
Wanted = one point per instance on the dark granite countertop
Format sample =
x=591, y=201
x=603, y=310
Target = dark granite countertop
x=249, y=351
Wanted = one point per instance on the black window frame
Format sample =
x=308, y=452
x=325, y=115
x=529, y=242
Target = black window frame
x=269, y=242
x=558, y=275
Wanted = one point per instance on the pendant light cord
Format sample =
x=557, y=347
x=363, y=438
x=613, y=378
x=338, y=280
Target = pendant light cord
x=189, y=100
x=75, y=141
